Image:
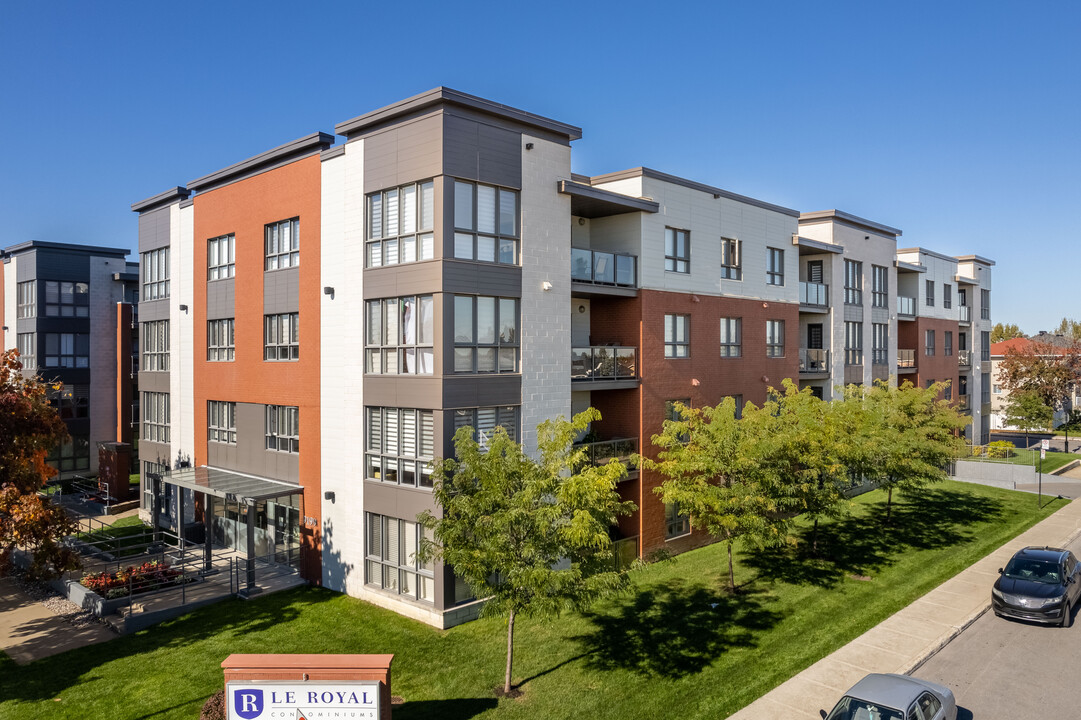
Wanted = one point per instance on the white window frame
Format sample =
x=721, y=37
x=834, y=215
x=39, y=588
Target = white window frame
x=154, y=338
x=389, y=564
x=155, y=408
x=282, y=429
x=281, y=337
x=155, y=270
x=412, y=237
x=221, y=257
x=221, y=340
x=281, y=252
x=221, y=422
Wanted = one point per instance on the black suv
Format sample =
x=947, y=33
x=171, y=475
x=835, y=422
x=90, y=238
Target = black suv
x=1038, y=584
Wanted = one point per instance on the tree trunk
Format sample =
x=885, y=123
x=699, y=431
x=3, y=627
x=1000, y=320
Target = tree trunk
x=814, y=539
x=510, y=652
x=889, y=503
x=731, y=572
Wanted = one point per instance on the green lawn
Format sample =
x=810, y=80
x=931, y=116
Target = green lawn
x=127, y=536
x=677, y=642
x=1053, y=462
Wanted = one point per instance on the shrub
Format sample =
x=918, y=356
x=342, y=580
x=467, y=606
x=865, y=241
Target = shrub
x=149, y=576
x=1000, y=449
x=214, y=707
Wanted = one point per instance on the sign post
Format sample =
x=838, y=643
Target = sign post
x=1044, y=444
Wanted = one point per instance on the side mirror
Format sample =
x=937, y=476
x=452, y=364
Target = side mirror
x=1000, y=571
x=823, y=714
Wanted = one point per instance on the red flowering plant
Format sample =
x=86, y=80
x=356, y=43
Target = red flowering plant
x=149, y=576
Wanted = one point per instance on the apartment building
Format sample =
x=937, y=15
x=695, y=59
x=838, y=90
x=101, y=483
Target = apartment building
x=443, y=267
x=1000, y=396
x=69, y=310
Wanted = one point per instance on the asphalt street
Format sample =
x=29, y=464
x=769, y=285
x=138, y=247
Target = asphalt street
x=1005, y=670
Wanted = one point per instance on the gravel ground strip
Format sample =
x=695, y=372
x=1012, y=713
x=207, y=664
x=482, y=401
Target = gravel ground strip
x=57, y=604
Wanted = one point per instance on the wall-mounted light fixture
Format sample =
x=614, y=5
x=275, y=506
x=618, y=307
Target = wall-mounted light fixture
x=183, y=308
x=581, y=221
x=581, y=311
x=329, y=495
x=328, y=290
x=529, y=146
x=546, y=286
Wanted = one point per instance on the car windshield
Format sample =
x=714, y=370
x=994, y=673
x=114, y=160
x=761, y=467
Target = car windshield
x=1041, y=571
x=851, y=708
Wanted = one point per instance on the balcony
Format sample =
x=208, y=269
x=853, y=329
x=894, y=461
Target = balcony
x=617, y=449
x=814, y=361
x=605, y=367
x=814, y=296
x=964, y=358
x=906, y=306
x=966, y=314
x=604, y=273
x=962, y=403
x=906, y=361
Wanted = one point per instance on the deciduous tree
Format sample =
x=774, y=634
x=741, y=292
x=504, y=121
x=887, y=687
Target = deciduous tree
x=1002, y=332
x=29, y=429
x=1049, y=371
x=529, y=535
x=1026, y=411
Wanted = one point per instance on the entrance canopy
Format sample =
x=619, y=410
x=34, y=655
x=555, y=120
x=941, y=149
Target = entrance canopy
x=229, y=485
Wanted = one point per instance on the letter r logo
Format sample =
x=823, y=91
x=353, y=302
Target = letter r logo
x=248, y=703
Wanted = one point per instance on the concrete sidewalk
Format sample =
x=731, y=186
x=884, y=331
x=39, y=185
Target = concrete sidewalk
x=28, y=631
x=905, y=640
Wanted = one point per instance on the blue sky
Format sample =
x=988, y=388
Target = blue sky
x=959, y=123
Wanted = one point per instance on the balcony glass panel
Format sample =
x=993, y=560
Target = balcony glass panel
x=605, y=451
x=603, y=268
x=906, y=358
x=605, y=362
x=906, y=305
x=964, y=357
x=966, y=313
x=812, y=360
x=813, y=293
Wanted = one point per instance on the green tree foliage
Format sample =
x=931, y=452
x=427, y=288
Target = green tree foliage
x=1002, y=332
x=913, y=436
x=29, y=429
x=715, y=470
x=530, y=535
x=1048, y=371
x=1069, y=328
x=1027, y=411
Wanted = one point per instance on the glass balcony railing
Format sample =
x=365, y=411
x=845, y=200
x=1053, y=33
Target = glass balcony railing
x=906, y=305
x=966, y=313
x=962, y=402
x=814, y=294
x=964, y=358
x=604, y=268
x=906, y=358
x=604, y=362
x=605, y=451
x=813, y=360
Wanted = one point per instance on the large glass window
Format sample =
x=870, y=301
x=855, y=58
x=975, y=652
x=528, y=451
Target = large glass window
x=72, y=455
x=929, y=342
x=930, y=293
x=71, y=401
x=155, y=338
x=485, y=334
x=28, y=350
x=67, y=350
x=485, y=223
x=853, y=282
x=853, y=343
x=947, y=342
x=155, y=269
x=731, y=259
x=774, y=266
x=985, y=304
x=26, y=298
x=282, y=337
x=880, y=286
x=221, y=257
x=775, y=338
x=391, y=554
x=677, y=250
x=400, y=446
x=401, y=336
x=731, y=337
x=485, y=420
x=283, y=244
x=947, y=295
x=677, y=336
x=220, y=340
x=880, y=338
x=156, y=417
x=283, y=428
x=221, y=422
x=400, y=225
x=67, y=299
x=676, y=523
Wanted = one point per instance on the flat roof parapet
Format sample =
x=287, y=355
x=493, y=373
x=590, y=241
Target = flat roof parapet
x=850, y=219
x=281, y=155
x=165, y=198
x=693, y=185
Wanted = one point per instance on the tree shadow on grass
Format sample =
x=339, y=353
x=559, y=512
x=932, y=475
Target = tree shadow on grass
x=49, y=677
x=860, y=544
x=452, y=709
x=673, y=631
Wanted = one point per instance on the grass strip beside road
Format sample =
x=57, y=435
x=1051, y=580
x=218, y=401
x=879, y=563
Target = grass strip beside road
x=676, y=642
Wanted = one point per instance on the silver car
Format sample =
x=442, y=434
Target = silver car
x=895, y=697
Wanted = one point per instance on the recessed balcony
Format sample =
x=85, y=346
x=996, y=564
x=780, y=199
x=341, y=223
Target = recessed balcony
x=966, y=315
x=906, y=307
x=604, y=367
x=814, y=361
x=964, y=358
x=617, y=449
x=814, y=297
x=906, y=361
x=594, y=272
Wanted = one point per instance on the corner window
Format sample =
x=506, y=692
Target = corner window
x=677, y=250
x=155, y=270
x=391, y=558
x=71, y=401
x=400, y=446
x=221, y=422
x=731, y=337
x=282, y=337
x=220, y=340
x=26, y=294
x=485, y=334
x=775, y=338
x=400, y=336
x=155, y=339
x=283, y=244
x=485, y=223
x=731, y=259
x=677, y=342
x=676, y=524
x=221, y=257
x=401, y=221
x=67, y=350
x=72, y=455
x=774, y=266
x=283, y=428
x=485, y=420
x=67, y=299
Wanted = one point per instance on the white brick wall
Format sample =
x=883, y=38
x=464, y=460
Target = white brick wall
x=181, y=347
x=546, y=324
x=342, y=370
x=104, y=295
x=9, y=269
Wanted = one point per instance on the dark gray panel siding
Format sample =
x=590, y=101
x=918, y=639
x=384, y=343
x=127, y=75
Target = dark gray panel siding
x=153, y=310
x=27, y=269
x=52, y=265
x=425, y=393
x=154, y=229
x=154, y=452
x=154, y=382
x=221, y=299
x=405, y=153
x=222, y=455
x=422, y=278
x=470, y=391
x=470, y=278
x=474, y=150
x=250, y=454
x=281, y=291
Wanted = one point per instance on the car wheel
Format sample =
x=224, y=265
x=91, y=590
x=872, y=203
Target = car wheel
x=1066, y=616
